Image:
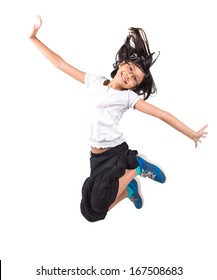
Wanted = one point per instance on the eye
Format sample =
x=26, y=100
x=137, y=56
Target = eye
x=136, y=79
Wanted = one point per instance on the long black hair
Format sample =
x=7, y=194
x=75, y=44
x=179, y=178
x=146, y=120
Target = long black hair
x=136, y=49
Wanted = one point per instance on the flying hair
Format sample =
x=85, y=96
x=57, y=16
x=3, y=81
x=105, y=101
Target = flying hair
x=136, y=50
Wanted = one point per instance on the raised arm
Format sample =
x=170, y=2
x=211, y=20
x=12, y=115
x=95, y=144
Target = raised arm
x=54, y=58
x=149, y=109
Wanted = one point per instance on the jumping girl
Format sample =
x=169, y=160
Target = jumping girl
x=113, y=165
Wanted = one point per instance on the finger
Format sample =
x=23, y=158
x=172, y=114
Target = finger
x=39, y=19
x=205, y=127
x=202, y=134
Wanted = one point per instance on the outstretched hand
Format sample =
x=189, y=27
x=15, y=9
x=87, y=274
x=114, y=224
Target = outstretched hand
x=200, y=134
x=36, y=27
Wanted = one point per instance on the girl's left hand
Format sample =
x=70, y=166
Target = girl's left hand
x=200, y=134
x=36, y=27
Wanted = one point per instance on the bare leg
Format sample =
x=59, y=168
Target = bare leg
x=123, y=182
x=122, y=196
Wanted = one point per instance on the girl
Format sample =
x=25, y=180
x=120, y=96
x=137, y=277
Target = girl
x=113, y=165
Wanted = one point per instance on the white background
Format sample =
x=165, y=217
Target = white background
x=44, y=154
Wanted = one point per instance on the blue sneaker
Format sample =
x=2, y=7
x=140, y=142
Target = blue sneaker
x=136, y=198
x=149, y=170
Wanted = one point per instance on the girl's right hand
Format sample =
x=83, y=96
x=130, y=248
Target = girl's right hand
x=200, y=134
x=36, y=27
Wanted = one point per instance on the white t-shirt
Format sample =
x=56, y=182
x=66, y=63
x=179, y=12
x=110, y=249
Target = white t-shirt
x=106, y=107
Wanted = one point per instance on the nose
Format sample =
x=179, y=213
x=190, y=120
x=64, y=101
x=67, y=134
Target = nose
x=129, y=75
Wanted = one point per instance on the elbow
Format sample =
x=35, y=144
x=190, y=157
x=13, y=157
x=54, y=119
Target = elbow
x=59, y=62
x=163, y=115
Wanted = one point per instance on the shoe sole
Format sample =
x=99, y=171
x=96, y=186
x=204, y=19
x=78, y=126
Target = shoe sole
x=139, y=190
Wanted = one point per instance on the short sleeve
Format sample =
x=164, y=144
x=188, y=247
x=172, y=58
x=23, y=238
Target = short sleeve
x=132, y=99
x=91, y=79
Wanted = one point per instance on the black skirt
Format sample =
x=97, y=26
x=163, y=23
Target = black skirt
x=99, y=190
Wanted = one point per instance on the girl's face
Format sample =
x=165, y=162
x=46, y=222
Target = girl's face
x=129, y=75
